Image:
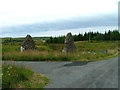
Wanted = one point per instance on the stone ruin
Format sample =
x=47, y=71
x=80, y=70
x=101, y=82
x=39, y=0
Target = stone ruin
x=28, y=44
x=69, y=44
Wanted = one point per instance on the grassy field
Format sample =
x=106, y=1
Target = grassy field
x=85, y=51
x=15, y=76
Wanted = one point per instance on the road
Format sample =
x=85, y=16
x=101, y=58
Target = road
x=97, y=74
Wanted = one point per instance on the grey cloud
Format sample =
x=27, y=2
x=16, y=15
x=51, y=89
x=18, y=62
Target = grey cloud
x=77, y=22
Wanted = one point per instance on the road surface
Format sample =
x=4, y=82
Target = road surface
x=97, y=74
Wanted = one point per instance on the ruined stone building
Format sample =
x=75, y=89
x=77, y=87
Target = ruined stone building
x=28, y=44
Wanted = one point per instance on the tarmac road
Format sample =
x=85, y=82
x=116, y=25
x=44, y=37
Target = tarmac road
x=97, y=74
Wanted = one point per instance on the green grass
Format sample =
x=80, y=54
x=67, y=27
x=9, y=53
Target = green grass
x=10, y=48
x=53, y=52
x=84, y=45
x=21, y=77
x=55, y=56
x=43, y=48
x=37, y=56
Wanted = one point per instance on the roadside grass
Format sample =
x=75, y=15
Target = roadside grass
x=85, y=51
x=55, y=56
x=97, y=57
x=36, y=56
x=21, y=77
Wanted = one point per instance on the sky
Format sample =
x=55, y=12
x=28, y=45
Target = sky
x=18, y=13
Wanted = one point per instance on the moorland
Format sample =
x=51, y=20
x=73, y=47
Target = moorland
x=96, y=47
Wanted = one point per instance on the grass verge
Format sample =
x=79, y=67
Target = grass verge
x=56, y=56
x=21, y=77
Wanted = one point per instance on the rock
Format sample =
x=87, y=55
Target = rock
x=28, y=44
x=69, y=44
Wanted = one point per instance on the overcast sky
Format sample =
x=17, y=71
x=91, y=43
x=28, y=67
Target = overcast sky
x=45, y=15
x=14, y=12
